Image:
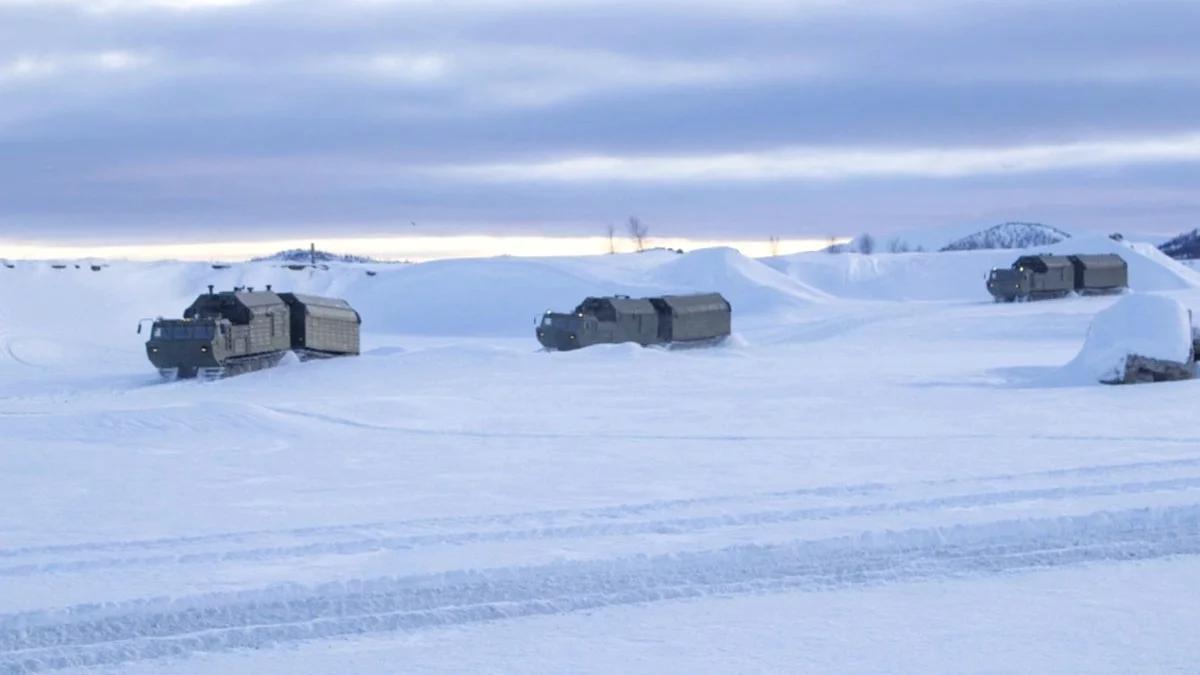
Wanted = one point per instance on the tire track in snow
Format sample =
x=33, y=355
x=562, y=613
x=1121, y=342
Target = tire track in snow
x=337, y=420
x=115, y=633
x=673, y=526
x=606, y=513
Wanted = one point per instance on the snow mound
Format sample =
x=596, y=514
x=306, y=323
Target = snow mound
x=1008, y=236
x=748, y=284
x=1152, y=326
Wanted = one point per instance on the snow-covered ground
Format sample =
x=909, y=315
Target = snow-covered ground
x=882, y=472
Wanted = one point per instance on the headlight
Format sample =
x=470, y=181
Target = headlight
x=204, y=348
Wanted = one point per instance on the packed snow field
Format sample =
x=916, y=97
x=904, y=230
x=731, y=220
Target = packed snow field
x=881, y=471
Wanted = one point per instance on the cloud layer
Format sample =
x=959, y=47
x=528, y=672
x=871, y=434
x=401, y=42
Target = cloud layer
x=195, y=119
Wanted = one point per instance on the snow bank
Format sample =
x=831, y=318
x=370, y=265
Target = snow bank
x=748, y=284
x=1152, y=326
x=69, y=313
x=960, y=275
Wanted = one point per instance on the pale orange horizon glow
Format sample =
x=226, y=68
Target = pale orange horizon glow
x=415, y=249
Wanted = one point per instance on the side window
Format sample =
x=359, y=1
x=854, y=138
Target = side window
x=158, y=332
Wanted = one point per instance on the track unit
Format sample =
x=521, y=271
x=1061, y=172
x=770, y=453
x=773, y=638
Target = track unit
x=244, y=330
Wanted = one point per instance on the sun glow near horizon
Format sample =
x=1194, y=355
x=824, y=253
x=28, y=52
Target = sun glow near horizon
x=402, y=248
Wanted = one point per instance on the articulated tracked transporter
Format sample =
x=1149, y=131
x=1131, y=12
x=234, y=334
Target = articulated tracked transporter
x=668, y=320
x=1038, y=277
x=238, y=331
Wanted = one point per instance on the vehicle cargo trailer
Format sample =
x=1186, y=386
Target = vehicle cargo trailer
x=324, y=325
x=688, y=318
x=1099, y=273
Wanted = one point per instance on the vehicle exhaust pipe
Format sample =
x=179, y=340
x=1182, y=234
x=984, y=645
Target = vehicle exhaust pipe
x=210, y=289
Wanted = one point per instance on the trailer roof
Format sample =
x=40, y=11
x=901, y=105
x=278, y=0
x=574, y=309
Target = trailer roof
x=256, y=298
x=326, y=308
x=621, y=304
x=700, y=302
x=1101, y=260
x=1043, y=262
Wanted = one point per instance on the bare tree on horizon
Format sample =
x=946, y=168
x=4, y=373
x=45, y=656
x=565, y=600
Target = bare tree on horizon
x=638, y=231
x=865, y=244
x=612, y=244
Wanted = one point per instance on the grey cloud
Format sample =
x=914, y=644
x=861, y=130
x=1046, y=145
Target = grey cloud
x=256, y=93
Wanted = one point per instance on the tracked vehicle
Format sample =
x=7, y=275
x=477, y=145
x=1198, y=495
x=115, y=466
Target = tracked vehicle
x=683, y=320
x=238, y=331
x=1039, y=277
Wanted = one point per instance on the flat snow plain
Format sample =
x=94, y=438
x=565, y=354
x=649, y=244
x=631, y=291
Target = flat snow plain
x=882, y=471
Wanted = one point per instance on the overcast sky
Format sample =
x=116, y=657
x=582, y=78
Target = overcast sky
x=198, y=120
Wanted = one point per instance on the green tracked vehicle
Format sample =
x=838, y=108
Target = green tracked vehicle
x=676, y=320
x=238, y=331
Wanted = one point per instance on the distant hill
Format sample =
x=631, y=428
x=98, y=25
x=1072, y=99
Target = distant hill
x=1184, y=247
x=303, y=255
x=1009, y=235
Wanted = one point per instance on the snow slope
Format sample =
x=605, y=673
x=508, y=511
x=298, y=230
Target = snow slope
x=859, y=484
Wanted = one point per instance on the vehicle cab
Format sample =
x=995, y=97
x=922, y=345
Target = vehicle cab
x=185, y=345
x=562, y=332
x=1009, y=283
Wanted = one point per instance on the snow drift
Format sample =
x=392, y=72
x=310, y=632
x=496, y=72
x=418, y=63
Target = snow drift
x=748, y=284
x=1150, y=326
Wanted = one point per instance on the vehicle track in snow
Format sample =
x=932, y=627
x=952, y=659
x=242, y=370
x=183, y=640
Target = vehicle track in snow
x=667, y=526
x=121, y=632
x=790, y=506
x=362, y=425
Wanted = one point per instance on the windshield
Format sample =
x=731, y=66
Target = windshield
x=183, y=331
x=561, y=320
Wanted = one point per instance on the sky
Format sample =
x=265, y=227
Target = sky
x=185, y=122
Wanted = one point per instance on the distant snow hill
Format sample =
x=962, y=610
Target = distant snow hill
x=1184, y=247
x=1009, y=235
x=302, y=255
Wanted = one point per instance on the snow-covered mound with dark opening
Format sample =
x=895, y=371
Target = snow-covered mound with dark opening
x=1184, y=247
x=1152, y=326
x=1008, y=236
